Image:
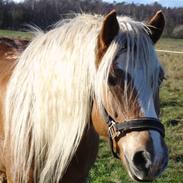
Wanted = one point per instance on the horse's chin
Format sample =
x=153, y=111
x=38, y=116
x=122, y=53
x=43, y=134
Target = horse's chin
x=134, y=177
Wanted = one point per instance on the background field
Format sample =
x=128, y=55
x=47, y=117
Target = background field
x=15, y=34
x=109, y=170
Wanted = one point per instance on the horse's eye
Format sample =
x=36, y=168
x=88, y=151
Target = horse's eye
x=112, y=80
x=124, y=47
x=116, y=77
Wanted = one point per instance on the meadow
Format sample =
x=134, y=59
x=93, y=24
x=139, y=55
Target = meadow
x=15, y=34
x=107, y=169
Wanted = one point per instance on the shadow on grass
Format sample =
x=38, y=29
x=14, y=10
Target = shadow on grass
x=171, y=103
x=178, y=158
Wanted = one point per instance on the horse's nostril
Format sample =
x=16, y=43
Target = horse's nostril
x=142, y=161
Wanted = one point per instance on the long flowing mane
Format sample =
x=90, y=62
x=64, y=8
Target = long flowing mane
x=48, y=101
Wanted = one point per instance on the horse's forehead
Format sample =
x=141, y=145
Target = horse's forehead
x=127, y=59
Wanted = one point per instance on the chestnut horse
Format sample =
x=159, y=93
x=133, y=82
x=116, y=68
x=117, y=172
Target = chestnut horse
x=88, y=76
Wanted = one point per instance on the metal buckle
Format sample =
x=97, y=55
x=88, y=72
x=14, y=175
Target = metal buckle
x=113, y=131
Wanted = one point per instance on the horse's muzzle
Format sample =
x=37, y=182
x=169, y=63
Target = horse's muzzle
x=144, y=168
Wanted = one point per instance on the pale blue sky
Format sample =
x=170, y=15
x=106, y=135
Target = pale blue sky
x=167, y=3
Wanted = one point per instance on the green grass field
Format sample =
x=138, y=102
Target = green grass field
x=109, y=170
x=15, y=34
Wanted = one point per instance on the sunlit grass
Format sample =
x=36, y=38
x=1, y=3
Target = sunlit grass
x=15, y=34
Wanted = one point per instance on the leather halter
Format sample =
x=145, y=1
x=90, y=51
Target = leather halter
x=117, y=130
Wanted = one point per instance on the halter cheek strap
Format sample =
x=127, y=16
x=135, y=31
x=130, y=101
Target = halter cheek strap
x=120, y=129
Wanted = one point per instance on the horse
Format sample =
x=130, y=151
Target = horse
x=88, y=76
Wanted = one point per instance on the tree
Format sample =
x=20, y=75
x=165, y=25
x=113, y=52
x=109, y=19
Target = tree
x=178, y=31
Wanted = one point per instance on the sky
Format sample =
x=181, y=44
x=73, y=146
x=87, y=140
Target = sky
x=166, y=3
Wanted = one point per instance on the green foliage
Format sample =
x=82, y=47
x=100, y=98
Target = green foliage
x=109, y=170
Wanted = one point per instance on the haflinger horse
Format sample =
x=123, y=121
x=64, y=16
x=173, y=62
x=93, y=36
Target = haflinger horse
x=88, y=76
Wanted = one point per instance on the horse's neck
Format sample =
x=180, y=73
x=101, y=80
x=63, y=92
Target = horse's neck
x=98, y=122
x=10, y=50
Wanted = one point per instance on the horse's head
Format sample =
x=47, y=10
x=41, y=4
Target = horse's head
x=126, y=105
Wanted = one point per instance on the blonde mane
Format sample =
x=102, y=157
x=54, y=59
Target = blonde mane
x=48, y=101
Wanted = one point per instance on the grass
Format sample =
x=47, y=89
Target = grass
x=15, y=34
x=108, y=169
x=170, y=44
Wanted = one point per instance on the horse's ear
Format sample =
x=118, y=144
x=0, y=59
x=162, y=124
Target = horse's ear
x=110, y=29
x=156, y=25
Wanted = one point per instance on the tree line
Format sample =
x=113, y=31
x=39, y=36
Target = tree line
x=43, y=13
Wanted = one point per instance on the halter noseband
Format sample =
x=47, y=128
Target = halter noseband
x=119, y=129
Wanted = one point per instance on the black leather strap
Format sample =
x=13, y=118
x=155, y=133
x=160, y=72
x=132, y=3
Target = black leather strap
x=118, y=129
x=141, y=124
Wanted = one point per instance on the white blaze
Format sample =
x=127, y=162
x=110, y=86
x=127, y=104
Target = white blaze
x=146, y=102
